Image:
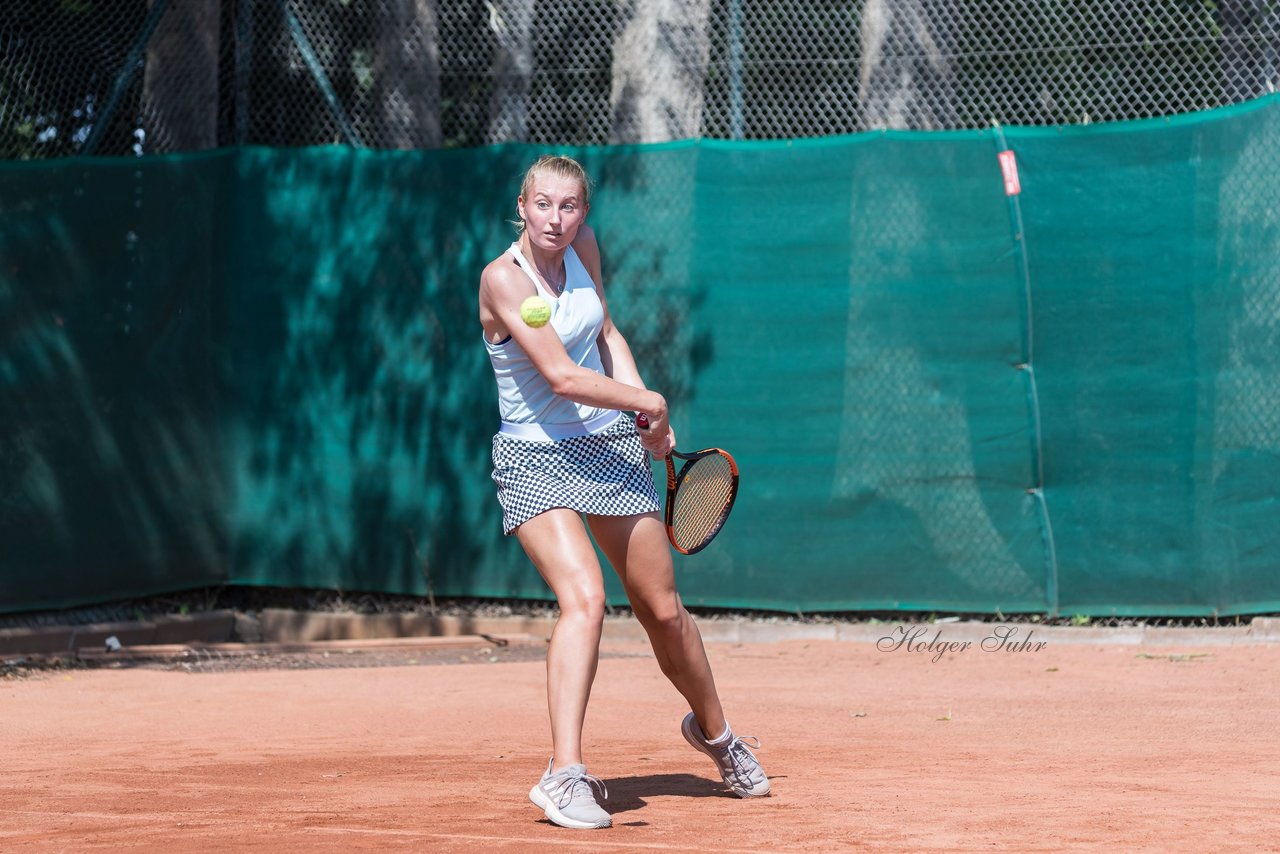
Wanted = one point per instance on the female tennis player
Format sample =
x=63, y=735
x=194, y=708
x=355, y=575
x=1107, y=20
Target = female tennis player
x=565, y=453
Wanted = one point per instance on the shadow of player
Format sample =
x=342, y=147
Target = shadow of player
x=629, y=793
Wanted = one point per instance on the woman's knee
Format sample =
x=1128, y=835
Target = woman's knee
x=664, y=614
x=584, y=605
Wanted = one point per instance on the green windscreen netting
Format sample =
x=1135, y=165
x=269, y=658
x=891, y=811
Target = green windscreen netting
x=264, y=367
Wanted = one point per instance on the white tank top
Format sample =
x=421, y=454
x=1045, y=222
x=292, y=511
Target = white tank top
x=524, y=396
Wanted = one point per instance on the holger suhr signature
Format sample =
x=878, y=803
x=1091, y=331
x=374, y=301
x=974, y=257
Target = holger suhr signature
x=917, y=639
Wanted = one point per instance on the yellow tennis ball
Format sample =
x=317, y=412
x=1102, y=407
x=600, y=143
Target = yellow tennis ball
x=535, y=311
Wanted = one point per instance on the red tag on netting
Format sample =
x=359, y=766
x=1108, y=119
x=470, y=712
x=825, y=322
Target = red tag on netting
x=1009, y=169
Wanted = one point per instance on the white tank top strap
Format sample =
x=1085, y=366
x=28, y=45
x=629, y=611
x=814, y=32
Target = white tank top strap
x=527, y=266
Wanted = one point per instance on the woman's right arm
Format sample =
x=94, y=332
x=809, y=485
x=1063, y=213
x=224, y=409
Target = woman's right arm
x=502, y=288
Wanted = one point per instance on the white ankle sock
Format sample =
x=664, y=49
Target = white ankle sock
x=724, y=737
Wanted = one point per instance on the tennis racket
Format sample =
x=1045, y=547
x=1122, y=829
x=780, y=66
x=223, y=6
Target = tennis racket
x=700, y=497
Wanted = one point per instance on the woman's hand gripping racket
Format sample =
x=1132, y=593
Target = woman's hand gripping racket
x=700, y=497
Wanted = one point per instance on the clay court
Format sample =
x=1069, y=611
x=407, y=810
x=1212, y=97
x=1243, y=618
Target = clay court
x=1083, y=745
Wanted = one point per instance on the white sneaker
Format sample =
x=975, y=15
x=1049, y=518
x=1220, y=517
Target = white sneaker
x=737, y=765
x=565, y=797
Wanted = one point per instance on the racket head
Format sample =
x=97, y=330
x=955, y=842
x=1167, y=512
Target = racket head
x=699, y=498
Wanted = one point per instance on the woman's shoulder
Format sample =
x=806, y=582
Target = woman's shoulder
x=585, y=241
x=500, y=270
x=588, y=251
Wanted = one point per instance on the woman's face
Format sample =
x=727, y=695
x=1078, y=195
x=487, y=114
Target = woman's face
x=552, y=211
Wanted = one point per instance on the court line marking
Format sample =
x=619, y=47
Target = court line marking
x=526, y=840
x=167, y=819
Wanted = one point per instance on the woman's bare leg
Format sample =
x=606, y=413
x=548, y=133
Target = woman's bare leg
x=638, y=549
x=557, y=543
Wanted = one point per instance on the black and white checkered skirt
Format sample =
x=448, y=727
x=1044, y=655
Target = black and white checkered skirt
x=603, y=474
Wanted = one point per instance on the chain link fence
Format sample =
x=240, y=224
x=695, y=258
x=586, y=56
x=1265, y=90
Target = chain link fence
x=119, y=77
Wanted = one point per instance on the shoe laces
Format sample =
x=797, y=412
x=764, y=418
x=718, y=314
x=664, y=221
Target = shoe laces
x=565, y=786
x=741, y=757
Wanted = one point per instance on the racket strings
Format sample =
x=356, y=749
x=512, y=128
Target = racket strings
x=702, y=501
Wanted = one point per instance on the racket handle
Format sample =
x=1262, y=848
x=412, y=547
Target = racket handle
x=642, y=421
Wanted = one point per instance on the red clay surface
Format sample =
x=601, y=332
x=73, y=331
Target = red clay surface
x=1072, y=746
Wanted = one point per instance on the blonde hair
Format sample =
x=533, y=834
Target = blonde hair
x=561, y=167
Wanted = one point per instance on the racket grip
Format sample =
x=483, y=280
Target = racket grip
x=642, y=421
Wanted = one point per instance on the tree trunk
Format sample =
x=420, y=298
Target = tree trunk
x=180, y=84
x=659, y=71
x=907, y=81
x=512, y=25
x=406, y=72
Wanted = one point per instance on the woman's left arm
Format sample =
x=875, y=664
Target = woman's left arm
x=615, y=352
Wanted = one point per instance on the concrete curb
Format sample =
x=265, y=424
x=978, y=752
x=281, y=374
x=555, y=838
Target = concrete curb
x=1263, y=630
x=154, y=652
x=211, y=627
x=280, y=626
